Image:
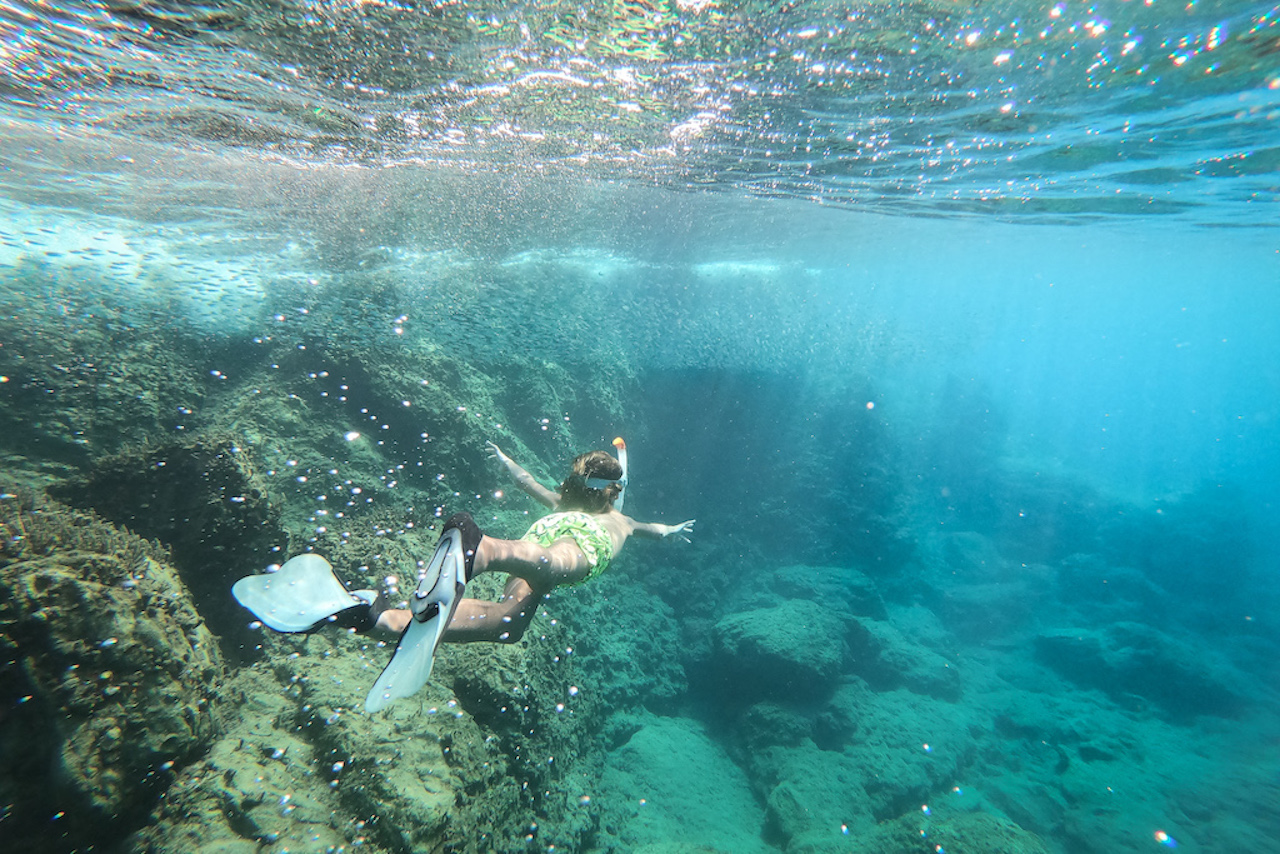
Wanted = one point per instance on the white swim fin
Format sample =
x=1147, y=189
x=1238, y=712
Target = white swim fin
x=300, y=596
x=433, y=605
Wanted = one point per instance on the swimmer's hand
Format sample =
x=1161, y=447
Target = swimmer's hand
x=681, y=530
x=496, y=453
x=525, y=480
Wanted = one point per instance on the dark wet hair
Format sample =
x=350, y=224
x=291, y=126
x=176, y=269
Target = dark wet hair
x=574, y=492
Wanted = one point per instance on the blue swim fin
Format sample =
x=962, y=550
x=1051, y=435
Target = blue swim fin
x=300, y=596
x=433, y=605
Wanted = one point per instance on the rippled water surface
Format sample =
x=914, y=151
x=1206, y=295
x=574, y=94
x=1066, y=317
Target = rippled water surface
x=1046, y=109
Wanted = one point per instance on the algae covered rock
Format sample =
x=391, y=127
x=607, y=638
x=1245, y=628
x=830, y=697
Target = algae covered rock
x=792, y=649
x=199, y=496
x=629, y=641
x=1132, y=659
x=943, y=830
x=107, y=674
x=673, y=788
x=906, y=749
x=819, y=794
x=767, y=724
x=841, y=587
x=485, y=759
x=887, y=658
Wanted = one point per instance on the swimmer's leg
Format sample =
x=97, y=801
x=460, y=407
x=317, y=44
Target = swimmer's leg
x=503, y=621
x=543, y=567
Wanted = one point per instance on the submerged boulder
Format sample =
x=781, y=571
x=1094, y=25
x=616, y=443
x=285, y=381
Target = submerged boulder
x=841, y=588
x=945, y=829
x=1132, y=659
x=672, y=788
x=200, y=497
x=107, y=676
x=894, y=751
x=818, y=792
x=792, y=650
x=499, y=748
x=888, y=659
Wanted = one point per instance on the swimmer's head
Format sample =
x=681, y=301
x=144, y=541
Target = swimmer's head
x=593, y=485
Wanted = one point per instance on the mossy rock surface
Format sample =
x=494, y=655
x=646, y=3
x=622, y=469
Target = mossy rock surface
x=109, y=674
x=203, y=499
x=792, y=649
x=1132, y=659
x=485, y=750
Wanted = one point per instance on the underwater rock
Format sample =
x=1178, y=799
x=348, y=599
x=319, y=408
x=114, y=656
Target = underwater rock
x=968, y=554
x=1101, y=592
x=202, y=498
x=1132, y=659
x=671, y=785
x=838, y=720
x=818, y=792
x=768, y=723
x=903, y=750
x=1197, y=547
x=887, y=659
x=630, y=642
x=996, y=612
x=979, y=595
x=108, y=677
x=794, y=649
x=257, y=788
x=87, y=386
x=1031, y=796
x=943, y=830
x=844, y=588
x=502, y=739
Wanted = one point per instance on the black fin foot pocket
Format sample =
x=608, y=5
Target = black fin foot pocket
x=471, y=536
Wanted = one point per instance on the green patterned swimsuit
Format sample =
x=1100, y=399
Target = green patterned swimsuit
x=586, y=533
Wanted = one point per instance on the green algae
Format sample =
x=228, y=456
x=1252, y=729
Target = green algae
x=110, y=676
x=201, y=497
x=670, y=784
x=475, y=763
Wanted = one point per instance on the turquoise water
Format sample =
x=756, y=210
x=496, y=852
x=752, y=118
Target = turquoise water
x=958, y=332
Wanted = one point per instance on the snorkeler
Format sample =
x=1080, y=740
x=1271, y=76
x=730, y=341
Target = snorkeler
x=573, y=544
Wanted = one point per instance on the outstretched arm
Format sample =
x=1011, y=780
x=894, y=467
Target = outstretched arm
x=525, y=480
x=657, y=530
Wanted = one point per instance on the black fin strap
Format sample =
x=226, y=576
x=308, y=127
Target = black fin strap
x=363, y=618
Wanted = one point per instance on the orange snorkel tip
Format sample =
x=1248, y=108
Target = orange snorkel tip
x=619, y=444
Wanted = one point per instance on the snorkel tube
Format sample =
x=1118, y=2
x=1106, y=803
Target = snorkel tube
x=622, y=460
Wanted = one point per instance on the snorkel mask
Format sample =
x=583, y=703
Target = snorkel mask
x=603, y=483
